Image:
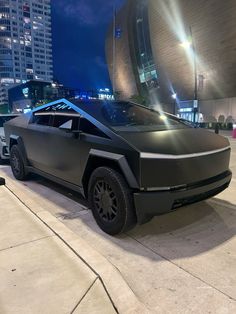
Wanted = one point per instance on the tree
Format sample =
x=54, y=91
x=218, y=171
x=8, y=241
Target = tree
x=138, y=99
x=42, y=102
x=117, y=95
x=4, y=108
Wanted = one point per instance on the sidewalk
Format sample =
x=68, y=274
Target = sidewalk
x=38, y=272
x=225, y=133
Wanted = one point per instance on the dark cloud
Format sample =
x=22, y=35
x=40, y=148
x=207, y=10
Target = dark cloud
x=87, y=12
x=79, y=31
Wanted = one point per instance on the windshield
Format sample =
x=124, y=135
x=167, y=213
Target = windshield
x=4, y=119
x=128, y=117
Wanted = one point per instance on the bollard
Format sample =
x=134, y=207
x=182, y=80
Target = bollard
x=2, y=181
x=234, y=131
x=217, y=128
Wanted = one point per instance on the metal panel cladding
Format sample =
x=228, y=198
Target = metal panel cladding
x=213, y=27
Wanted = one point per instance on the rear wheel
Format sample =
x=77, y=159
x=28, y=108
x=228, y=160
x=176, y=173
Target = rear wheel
x=111, y=201
x=17, y=164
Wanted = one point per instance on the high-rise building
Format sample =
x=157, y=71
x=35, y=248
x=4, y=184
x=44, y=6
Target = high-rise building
x=25, y=43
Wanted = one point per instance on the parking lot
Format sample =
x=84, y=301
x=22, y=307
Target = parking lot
x=182, y=262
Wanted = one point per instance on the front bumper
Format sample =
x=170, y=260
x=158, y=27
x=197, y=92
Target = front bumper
x=149, y=204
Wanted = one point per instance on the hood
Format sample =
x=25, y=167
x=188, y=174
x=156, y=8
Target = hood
x=176, y=142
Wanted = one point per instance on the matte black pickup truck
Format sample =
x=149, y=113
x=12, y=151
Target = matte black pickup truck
x=131, y=162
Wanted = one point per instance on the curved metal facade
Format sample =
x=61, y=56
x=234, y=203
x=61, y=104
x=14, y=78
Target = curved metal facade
x=209, y=25
x=213, y=24
x=119, y=56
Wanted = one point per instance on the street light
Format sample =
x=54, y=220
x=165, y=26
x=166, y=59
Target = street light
x=174, y=96
x=187, y=44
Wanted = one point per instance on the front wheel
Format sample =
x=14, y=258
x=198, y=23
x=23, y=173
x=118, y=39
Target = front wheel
x=17, y=164
x=111, y=201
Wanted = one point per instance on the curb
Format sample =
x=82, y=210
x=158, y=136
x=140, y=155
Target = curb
x=2, y=181
x=121, y=295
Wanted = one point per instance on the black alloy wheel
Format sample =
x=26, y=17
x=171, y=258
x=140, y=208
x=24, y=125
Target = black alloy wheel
x=111, y=201
x=17, y=164
x=105, y=201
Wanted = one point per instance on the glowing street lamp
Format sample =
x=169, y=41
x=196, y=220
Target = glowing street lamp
x=186, y=44
x=174, y=96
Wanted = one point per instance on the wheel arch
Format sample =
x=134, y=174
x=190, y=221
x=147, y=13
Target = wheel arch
x=17, y=140
x=118, y=162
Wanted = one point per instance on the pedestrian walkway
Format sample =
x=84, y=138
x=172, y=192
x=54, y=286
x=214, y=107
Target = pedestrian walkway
x=39, y=273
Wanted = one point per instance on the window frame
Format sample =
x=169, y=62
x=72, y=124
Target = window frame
x=37, y=114
x=103, y=134
x=72, y=115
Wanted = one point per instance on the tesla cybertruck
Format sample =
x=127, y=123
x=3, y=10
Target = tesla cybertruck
x=132, y=163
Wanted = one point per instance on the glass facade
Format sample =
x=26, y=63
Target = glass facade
x=25, y=43
x=147, y=71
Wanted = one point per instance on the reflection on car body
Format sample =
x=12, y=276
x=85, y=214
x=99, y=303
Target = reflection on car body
x=132, y=163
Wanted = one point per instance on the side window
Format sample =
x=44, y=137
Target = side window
x=60, y=120
x=89, y=128
x=55, y=115
x=42, y=119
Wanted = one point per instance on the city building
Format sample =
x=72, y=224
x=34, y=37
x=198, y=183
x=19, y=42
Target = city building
x=34, y=93
x=180, y=55
x=25, y=43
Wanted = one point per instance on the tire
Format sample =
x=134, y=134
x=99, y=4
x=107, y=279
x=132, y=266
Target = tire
x=1, y=159
x=17, y=164
x=111, y=201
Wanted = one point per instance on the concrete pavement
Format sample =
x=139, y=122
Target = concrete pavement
x=183, y=262
x=42, y=269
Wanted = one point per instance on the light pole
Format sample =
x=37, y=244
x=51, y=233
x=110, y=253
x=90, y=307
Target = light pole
x=187, y=45
x=195, y=103
x=114, y=50
x=174, y=96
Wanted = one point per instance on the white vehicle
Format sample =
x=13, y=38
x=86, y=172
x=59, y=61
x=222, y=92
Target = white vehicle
x=4, y=152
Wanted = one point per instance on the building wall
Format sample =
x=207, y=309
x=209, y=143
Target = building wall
x=25, y=43
x=35, y=92
x=213, y=30
x=124, y=82
x=213, y=24
x=214, y=110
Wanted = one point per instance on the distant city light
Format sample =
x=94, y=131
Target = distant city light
x=107, y=90
x=105, y=96
x=25, y=91
x=26, y=110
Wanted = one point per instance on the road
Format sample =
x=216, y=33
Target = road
x=183, y=262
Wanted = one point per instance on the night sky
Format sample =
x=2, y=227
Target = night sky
x=79, y=30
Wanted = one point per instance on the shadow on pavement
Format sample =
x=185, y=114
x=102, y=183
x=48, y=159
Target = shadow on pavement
x=189, y=231
x=60, y=189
